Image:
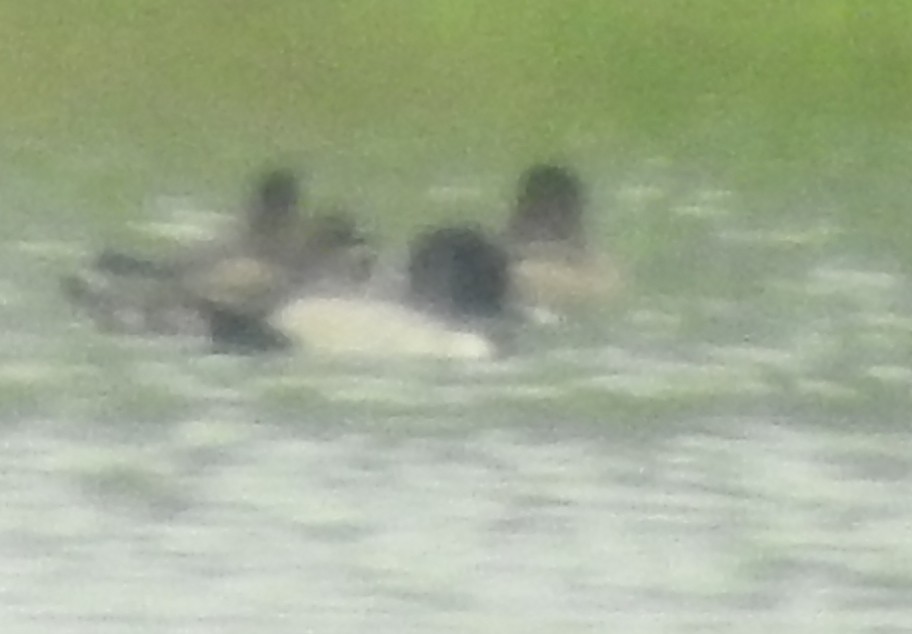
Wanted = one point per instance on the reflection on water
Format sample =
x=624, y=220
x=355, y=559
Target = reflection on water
x=741, y=524
x=723, y=452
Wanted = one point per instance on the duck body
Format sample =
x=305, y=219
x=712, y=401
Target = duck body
x=228, y=284
x=128, y=294
x=372, y=327
x=549, y=276
x=551, y=263
x=452, y=306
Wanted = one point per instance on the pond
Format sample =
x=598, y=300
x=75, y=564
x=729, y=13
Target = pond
x=724, y=448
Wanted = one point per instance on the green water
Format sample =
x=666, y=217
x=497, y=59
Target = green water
x=527, y=66
x=779, y=97
x=747, y=165
x=721, y=450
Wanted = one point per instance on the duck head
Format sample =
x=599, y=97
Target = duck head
x=458, y=272
x=273, y=205
x=334, y=229
x=334, y=252
x=549, y=207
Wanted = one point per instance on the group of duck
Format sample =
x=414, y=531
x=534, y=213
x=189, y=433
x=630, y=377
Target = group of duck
x=286, y=280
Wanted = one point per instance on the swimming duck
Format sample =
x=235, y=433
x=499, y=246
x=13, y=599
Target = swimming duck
x=552, y=265
x=247, y=275
x=454, y=305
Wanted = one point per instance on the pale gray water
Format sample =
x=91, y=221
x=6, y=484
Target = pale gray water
x=722, y=525
x=726, y=452
x=728, y=456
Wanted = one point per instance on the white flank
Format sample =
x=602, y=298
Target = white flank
x=362, y=326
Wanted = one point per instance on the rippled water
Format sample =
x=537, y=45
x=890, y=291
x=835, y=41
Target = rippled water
x=730, y=524
x=725, y=450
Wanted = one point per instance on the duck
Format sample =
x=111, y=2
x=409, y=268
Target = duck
x=454, y=305
x=247, y=274
x=552, y=264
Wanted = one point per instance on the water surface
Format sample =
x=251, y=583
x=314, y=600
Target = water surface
x=723, y=449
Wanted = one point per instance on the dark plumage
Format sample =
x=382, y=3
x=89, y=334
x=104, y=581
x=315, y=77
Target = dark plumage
x=453, y=305
x=549, y=207
x=229, y=285
x=458, y=271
